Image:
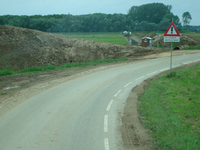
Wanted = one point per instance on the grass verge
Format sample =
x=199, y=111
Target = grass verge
x=170, y=110
x=67, y=65
x=192, y=47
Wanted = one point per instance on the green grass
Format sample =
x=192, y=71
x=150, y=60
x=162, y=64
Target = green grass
x=198, y=37
x=120, y=40
x=109, y=37
x=5, y=72
x=195, y=34
x=3, y=93
x=191, y=47
x=170, y=109
x=33, y=70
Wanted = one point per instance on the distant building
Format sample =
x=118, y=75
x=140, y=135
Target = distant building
x=147, y=41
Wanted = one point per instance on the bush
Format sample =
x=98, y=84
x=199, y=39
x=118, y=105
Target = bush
x=5, y=72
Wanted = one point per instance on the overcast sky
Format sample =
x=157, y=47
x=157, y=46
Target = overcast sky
x=79, y=7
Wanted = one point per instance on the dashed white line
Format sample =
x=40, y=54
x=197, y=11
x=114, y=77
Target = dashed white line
x=109, y=105
x=139, y=78
x=164, y=69
x=152, y=73
x=176, y=66
x=117, y=93
x=197, y=60
x=106, y=144
x=128, y=84
x=187, y=62
x=106, y=123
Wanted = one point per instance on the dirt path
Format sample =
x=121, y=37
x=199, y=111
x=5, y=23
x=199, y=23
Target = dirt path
x=135, y=38
x=134, y=134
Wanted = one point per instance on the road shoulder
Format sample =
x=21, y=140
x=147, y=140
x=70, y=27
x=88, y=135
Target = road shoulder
x=134, y=134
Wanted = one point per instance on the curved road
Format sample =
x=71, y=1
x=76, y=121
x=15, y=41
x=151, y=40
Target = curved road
x=81, y=114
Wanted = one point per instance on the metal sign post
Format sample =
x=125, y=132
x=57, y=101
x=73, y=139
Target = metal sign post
x=171, y=60
x=171, y=35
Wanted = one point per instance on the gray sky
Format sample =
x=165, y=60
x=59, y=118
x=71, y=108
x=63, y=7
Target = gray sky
x=79, y=7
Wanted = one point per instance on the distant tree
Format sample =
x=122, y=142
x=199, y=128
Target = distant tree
x=146, y=26
x=186, y=18
x=175, y=18
x=153, y=12
x=1, y=20
x=24, y=21
x=164, y=24
x=148, y=17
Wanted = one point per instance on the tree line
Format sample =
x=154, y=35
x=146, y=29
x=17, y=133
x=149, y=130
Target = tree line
x=148, y=17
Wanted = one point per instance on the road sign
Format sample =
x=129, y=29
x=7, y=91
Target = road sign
x=171, y=39
x=172, y=34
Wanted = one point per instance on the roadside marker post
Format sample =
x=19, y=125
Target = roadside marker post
x=171, y=35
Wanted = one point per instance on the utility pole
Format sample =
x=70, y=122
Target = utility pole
x=157, y=38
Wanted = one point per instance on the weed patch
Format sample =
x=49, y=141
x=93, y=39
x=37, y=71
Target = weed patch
x=3, y=93
x=170, y=75
x=33, y=70
x=192, y=47
x=5, y=72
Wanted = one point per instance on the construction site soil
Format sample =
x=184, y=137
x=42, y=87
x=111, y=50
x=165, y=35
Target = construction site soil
x=20, y=48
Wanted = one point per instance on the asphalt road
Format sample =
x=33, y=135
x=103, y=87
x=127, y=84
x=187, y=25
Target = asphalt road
x=81, y=114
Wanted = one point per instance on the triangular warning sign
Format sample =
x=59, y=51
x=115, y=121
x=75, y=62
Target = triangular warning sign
x=172, y=30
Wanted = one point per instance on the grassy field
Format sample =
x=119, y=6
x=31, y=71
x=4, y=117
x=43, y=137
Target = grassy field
x=109, y=37
x=194, y=34
x=116, y=37
x=170, y=109
x=198, y=37
x=32, y=70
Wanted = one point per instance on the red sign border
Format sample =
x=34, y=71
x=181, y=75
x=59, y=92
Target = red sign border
x=172, y=24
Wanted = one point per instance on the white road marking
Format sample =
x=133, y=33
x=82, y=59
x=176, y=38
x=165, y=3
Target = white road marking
x=152, y=73
x=139, y=78
x=188, y=62
x=128, y=84
x=109, y=105
x=197, y=60
x=176, y=66
x=164, y=69
x=106, y=123
x=117, y=93
x=106, y=144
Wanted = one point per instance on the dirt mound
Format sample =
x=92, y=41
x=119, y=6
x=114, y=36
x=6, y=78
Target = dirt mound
x=151, y=35
x=185, y=40
x=21, y=48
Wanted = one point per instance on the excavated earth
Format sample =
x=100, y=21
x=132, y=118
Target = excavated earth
x=185, y=41
x=21, y=48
